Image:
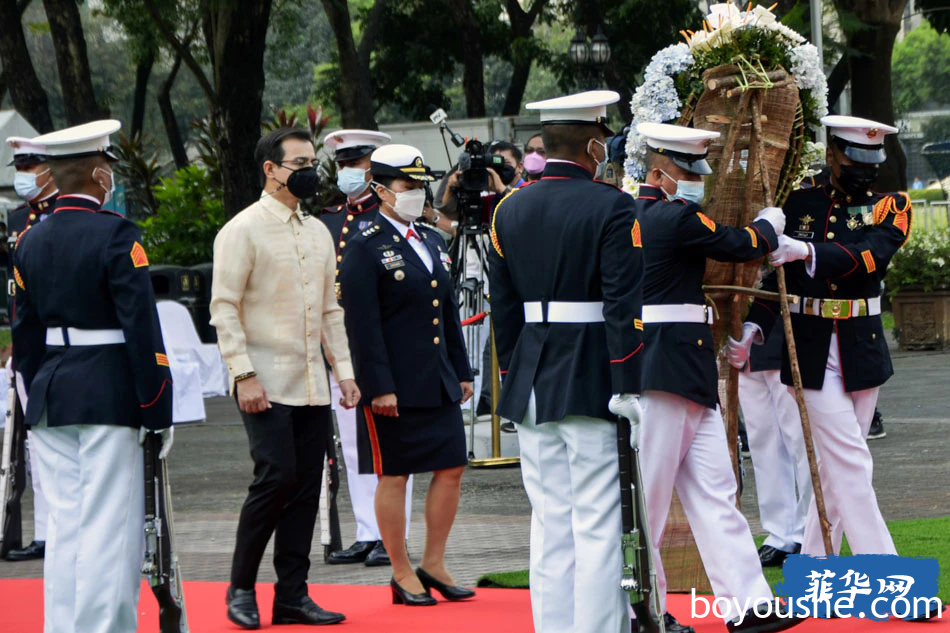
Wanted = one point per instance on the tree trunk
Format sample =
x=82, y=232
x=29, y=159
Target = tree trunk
x=26, y=92
x=521, y=58
x=240, y=32
x=516, y=87
x=168, y=117
x=838, y=81
x=143, y=70
x=355, y=90
x=871, y=95
x=74, y=77
x=473, y=62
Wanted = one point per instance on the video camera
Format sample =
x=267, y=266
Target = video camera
x=473, y=165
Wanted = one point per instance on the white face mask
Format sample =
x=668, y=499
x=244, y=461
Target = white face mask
x=409, y=204
x=111, y=189
x=601, y=165
x=688, y=190
x=24, y=183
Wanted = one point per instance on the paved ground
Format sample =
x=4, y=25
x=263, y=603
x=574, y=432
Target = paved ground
x=211, y=468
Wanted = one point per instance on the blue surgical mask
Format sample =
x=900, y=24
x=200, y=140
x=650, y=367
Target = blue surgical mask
x=351, y=180
x=602, y=165
x=687, y=190
x=24, y=183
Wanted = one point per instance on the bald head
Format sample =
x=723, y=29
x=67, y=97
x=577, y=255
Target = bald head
x=87, y=175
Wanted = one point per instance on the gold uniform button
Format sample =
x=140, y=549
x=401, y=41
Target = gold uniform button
x=346, y=230
x=831, y=235
x=700, y=342
x=349, y=218
x=834, y=287
x=339, y=258
x=436, y=340
x=873, y=335
x=342, y=243
x=832, y=219
x=435, y=321
x=435, y=284
x=837, y=206
x=337, y=272
x=435, y=303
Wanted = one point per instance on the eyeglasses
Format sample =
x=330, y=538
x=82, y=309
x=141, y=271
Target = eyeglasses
x=301, y=162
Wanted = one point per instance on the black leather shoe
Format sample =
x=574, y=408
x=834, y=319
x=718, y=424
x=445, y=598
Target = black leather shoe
x=242, y=608
x=36, y=549
x=449, y=592
x=672, y=626
x=752, y=623
x=508, y=427
x=773, y=557
x=877, y=432
x=378, y=556
x=355, y=553
x=401, y=596
x=304, y=612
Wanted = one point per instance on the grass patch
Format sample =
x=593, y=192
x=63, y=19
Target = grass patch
x=887, y=320
x=916, y=538
x=6, y=337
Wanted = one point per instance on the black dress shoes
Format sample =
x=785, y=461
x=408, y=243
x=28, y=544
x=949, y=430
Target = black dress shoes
x=36, y=549
x=355, y=553
x=242, y=608
x=672, y=626
x=772, y=557
x=378, y=556
x=401, y=596
x=304, y=612
x=773, y=621
x=449, y=592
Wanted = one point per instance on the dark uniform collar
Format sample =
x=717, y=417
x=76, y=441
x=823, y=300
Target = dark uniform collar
x=364, y=204
x=76, y=202
x=839, y=196
x=39, y=207
x=649, y=192
x=557, y=168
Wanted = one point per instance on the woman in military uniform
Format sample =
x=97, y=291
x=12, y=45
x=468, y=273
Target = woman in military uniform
x=412, y=369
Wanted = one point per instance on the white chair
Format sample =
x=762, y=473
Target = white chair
x=188, y=404
x=180, y=334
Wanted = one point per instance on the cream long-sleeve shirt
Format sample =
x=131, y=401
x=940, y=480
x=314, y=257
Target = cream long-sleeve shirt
x=273, y=302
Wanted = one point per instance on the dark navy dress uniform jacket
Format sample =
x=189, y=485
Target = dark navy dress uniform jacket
x=402, y=321
x=677, y=238
x=854, y=240
x=566, y=237
x=86, y=269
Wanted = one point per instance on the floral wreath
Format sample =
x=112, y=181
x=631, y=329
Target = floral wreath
x=756, y=40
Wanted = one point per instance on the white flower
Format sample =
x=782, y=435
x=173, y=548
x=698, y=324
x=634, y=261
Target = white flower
x=940, y=261
x=809, y=76
x=721, y=14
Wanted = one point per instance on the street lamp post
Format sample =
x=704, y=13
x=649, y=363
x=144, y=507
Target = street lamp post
x=590, y=57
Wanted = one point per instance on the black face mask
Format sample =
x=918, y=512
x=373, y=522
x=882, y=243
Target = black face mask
x=507, y=174
x=303, y=183
x=857, y=180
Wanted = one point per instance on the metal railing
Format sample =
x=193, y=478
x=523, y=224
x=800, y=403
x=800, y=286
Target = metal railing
x=931, y=215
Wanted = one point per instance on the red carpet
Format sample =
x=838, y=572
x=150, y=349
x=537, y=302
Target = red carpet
x=369, y=611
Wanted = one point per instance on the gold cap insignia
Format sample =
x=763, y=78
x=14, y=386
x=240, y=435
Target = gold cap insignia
x=873, y=132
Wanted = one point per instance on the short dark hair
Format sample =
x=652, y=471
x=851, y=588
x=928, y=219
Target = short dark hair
x=538, y=135
x=568, y=140
x=271, y=147
x=73, y=174
x=501, y=146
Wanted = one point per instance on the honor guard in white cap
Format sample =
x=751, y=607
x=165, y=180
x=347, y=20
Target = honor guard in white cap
x=351, y=152
x=411, y=366
x=683, y=438
x=34, y=183
x=89, y=346
x=840, y=238
x=564, y=267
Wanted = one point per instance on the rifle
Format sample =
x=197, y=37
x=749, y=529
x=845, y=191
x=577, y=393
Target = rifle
x=330, y=536
x=161, y=559
x=12, y=474
x=639, y=570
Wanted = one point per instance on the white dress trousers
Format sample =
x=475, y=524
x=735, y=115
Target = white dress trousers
x=362, y=487
x=840, y=423
x=571, y=474
x=40, y=506
x=93, y=478
x=774, y=430
x=683, y=446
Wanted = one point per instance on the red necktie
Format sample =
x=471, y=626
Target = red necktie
x=410, y=234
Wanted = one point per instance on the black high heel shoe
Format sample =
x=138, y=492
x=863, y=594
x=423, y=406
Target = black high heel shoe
x=449, y=592
x=401, y=596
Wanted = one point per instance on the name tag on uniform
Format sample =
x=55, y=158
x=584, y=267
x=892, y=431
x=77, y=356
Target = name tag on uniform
x=390, y=258
x=446, y=260
x=803, y=235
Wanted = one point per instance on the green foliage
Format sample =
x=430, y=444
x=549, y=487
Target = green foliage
x=935, y=194
x=937, y=129
x=184, y=225
x=924, y=261
x=138, y=169
x=920, y=69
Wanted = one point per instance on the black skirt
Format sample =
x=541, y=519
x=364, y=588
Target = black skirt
x=420, y=440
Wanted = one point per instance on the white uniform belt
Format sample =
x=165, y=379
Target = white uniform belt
x=678, y=313
x=67, y=336
x=837, y=308
x=564, y=312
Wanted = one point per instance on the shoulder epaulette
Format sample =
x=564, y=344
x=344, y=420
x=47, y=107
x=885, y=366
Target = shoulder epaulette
x=371, y=230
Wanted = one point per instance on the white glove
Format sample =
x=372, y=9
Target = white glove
x=627, y=405
x=789, y=250
x=738, y=351
x=775, y=217
x=168, y=438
